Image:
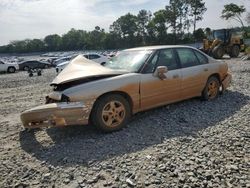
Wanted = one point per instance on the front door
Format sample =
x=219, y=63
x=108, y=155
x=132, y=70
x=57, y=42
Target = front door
x=154, y=91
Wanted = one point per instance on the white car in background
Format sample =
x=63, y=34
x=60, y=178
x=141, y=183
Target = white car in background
x=91, y=56
x=61, y=66
x=8, y=67
x=62, y=60
x=101, y=59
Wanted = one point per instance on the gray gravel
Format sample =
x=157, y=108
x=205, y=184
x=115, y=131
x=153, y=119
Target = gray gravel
x=187, y=144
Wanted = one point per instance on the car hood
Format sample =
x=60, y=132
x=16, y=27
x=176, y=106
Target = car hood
x=82, y=68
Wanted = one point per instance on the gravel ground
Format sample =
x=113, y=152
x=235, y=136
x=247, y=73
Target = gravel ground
x=187, y=144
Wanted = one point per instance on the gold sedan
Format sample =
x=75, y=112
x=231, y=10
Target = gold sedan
x=135, y=80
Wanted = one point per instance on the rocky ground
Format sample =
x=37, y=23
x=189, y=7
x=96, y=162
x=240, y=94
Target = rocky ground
x=188, y=144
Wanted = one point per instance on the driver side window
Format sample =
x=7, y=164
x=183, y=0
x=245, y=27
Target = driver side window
x=163, y=57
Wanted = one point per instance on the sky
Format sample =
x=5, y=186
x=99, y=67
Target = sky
x=22, y=19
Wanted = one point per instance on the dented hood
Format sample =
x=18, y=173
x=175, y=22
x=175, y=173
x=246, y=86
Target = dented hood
x=81, y=68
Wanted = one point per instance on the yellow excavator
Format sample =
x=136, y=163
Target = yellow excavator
x=223, y=41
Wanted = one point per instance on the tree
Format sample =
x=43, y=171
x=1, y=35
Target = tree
x=157, y=26
x=126, y=27
x=233, y=11
x=53, y=42
x=199, y=34
x=208, y=33
x=197, y=9
x=143, y=19
x=96, y=38
x=35, y=45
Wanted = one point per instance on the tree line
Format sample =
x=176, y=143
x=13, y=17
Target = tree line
x=171, y=25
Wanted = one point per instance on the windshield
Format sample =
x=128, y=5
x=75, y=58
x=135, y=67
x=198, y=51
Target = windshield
x=128, y=60
x=219, y=35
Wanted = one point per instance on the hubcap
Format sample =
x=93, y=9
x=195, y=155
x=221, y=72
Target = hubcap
x=212, y=89
x=113, y=113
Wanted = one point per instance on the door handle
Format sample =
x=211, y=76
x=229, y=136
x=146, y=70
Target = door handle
x=206, y=69
x=176, y=76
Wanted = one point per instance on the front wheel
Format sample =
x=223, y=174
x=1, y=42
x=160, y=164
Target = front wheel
x=111, y=113
x=11, y=70
x=26, y=68
x=212, y=88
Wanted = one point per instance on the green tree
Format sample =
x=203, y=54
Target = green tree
x=71, y=40
x=35, y=45
x=197, y=9
x=208, y=33
x=96, y=38
x=233, y=11
x=199, y=34
x=53, y=42
x=158, y=26
x=126, y=27
x=143, y=19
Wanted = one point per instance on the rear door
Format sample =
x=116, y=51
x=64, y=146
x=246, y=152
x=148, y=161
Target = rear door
x=194, y=72
x=154, y=91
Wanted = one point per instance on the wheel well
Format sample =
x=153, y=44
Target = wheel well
x=123, y=94
x=215, y=75
x=11, y=67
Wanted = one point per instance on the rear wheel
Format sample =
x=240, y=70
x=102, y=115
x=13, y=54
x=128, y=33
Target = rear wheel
x=235, y=51
x=11, y=70
x=211, y=90
x=111, y=113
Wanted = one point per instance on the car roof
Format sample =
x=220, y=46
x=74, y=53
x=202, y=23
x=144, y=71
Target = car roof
x=158, y=47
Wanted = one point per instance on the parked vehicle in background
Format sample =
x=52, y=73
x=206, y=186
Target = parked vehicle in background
x=62, y=60
x=135, y=80
x=8, y=67
x=101, y=59
x=27, y=65
x=61, y=66
x=224, y=41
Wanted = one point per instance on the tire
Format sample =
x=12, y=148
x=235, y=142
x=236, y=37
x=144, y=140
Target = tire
x=11, y=70
x=218, y=52
x=26, y=68
x=235, y=51
x=110, y=113
x=212, y=89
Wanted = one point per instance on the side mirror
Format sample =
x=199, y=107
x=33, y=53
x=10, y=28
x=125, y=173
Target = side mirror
x=160, y=72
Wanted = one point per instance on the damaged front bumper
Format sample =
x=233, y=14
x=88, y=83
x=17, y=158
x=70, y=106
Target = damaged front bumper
x=56, y=115
x=226, y=82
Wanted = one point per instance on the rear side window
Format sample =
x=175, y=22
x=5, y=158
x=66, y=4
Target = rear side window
x=93, y=56
x=187, y=57
x=202, y=59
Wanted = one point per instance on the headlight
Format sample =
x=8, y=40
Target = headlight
x=56, y=96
